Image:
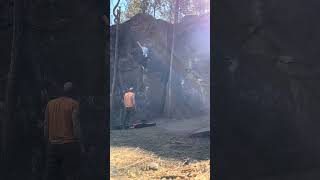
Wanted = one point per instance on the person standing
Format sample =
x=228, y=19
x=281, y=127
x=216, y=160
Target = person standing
x=62, y=133
x=130, y=106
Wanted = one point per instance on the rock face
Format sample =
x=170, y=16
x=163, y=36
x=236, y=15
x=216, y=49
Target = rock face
x=59, y=41
x=266, y=92
x=149, y=76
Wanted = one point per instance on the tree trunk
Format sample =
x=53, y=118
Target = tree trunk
x=169, y=104
x=115, y=63
x=9, y=98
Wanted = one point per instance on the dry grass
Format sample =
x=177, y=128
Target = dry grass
x=136, y=163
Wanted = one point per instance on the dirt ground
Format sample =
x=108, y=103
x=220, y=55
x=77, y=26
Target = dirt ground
x=158, y=153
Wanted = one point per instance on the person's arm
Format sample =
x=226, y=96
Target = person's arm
x=76, y=125
x=45, y=124
x=123, y=99
x=139, y=44
x=134, y=101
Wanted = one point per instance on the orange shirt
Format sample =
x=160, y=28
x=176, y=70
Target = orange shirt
x=59, y=116
x=129, y=99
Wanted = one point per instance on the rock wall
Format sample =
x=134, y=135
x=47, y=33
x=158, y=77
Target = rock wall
x=58, y=41
x=266, y=95
x=149, y=76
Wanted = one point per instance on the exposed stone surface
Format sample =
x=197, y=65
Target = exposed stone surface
x=191, y=61
x=153, y=166
x=59, y=41
x=266, y=90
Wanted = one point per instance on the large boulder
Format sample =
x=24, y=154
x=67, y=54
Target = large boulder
x=266, y=95
x=59, y=41
x=149, y=76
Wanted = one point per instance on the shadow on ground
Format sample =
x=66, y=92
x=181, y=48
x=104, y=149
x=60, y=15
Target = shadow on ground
x=163, y=143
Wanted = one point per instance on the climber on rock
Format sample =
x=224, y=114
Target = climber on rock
x=62, y=133
x=144, y=50
x=130, y=106
x=145, y=53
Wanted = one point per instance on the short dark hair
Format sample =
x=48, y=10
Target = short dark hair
x=68, y=89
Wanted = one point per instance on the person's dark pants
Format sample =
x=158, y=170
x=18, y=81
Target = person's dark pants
x=128, y=112
x=63, y=161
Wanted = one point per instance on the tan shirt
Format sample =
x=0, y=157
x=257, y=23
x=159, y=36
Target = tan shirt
x=61, y=122
x=129, y=100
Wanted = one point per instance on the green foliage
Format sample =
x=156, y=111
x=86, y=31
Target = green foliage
x=165, y=9
x=133, y=8
x=200, y=7
x=145, y=6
